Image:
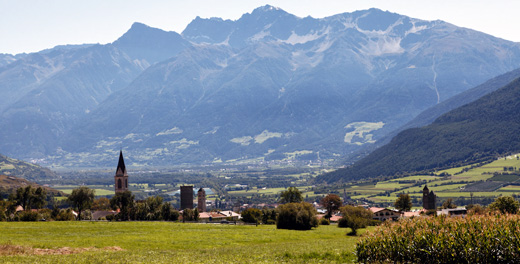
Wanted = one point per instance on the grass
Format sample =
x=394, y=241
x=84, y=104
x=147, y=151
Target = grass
x=161, y=242
x=510, y=188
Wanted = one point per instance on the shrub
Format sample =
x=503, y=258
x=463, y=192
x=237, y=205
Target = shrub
x=473, y=239
x=269, y=216
x=324, y=221
x=28, y=216
x=505, y=204
x=355, y=217
x=297, y=216
x=476, y=209
x=270, y=222
x=110, y=217
x=64, y=215
x=251, y=215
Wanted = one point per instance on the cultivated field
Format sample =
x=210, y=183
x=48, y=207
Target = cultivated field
x=164, y=242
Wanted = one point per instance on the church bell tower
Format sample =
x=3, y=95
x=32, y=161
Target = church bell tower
x=121, y=177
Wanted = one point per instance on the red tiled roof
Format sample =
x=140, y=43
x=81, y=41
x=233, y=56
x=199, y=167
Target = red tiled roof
x=335, y=218
x=375, y=209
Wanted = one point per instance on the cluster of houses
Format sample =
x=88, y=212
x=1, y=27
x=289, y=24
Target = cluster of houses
x=186, y=195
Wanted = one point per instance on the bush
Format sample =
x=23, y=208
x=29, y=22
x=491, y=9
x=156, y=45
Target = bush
x=270, y=222
x=28, y=216
x=297, y=216
x=324, y=221
x=110, y=217
x=64, y=215
x=473, y=239
x=355, y=217
x=476, y=209
x=251, y=215
x=505, y=204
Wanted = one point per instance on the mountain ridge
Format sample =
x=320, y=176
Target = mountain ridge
x=267, y=86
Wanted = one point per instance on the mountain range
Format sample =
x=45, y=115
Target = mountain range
x=268, y=86
x=476, y=132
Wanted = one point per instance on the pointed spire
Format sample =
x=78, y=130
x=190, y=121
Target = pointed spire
x=121, y=169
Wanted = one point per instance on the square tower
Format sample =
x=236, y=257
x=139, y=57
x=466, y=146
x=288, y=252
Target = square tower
x=187, y=197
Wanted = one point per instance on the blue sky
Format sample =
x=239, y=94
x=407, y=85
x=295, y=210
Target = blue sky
x=33, y=25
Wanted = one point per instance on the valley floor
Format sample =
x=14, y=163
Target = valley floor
x=166, y=242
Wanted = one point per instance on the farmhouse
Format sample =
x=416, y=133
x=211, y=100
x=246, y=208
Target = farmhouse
x=383, y=214
x=219, y=216
x=453, y=212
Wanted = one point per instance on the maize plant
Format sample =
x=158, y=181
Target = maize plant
x=473, y=239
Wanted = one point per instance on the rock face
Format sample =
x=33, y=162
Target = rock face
x=268, y=86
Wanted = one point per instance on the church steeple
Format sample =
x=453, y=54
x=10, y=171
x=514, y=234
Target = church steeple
x=121, y=177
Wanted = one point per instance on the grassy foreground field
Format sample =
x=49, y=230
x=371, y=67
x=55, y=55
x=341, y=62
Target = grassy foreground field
x=161, y=242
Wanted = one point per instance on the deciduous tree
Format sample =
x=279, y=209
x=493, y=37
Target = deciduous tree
x=403, y=202
x=29, y=197
x=124, y=201
x=448, y=204
x=332, y=203
x=251, y=215
x=505, y=204
x=298, y=216
x=354, y=217
x=291, y=195
x=81, y=199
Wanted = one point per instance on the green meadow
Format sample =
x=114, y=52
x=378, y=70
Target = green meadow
x=168, y=242
x=445, y=187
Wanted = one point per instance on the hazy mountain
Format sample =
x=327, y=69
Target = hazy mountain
x=478, y=131
x=45, y=93
x=8, y=58
x=269, y=85
x=274, y=86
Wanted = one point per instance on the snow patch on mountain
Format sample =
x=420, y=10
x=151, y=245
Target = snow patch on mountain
x=361, y=134
x=170, y=131
x=258, y=139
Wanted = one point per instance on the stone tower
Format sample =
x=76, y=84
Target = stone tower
x=201, y=200
x=121, y=177
x=187, y=197
x=429, y=199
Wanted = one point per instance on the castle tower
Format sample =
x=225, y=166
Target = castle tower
x=121, y=177
x=187, y=197
x=201, y=200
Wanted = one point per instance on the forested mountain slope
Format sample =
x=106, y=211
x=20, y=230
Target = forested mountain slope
x=479, y=131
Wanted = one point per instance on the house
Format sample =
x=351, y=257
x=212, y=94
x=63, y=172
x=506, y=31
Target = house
x=218, y=216
x=415, y=213
x=97, y=215
x=453, y=212
x=383, y=214
x=335, y=218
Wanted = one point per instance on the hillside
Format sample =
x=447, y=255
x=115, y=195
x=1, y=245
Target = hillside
x=475, y=132
x=25, y=170
x=429, y=115
x=9, y=184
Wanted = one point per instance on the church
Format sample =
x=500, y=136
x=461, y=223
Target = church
x=429, y=199
x=121, y=177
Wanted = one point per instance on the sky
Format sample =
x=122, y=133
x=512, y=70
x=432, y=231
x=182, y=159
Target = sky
x=34, y=25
